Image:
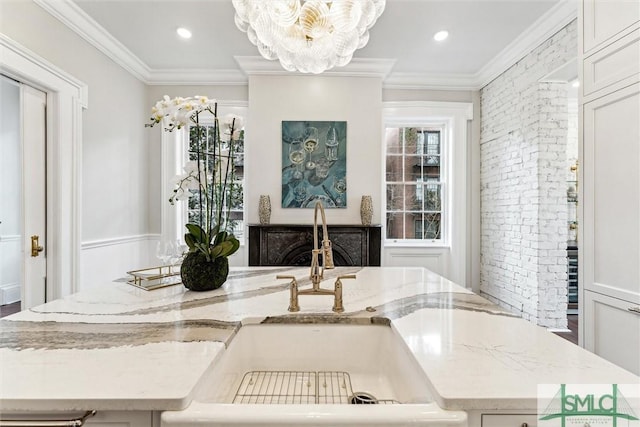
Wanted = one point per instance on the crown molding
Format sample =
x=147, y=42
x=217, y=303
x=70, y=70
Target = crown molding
x=424, y=81
x=189, y=76
x=358, y=67
x=67, y=12
x=541, y=30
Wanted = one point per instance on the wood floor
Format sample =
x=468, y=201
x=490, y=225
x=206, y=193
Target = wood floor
x=572, y=320
x=8, y=309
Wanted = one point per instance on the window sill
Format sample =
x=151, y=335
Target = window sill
x=415, y=244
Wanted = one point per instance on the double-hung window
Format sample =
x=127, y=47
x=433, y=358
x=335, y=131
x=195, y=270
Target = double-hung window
x=236, y=208
x=415, y=183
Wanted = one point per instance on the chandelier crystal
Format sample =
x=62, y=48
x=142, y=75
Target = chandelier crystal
x=309, y=36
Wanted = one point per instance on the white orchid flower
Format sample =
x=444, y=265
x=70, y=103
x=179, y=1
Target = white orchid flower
x=204, y=102
x=231, y=121
x=193, y=184
x=176, y=180
x=192, y=166
x=181, y=194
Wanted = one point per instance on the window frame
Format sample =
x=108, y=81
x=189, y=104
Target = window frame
x=206, y=120
x=174, y=155
x=425, y=124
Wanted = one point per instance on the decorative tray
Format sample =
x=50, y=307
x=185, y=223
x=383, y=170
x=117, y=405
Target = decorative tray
x=155, y=277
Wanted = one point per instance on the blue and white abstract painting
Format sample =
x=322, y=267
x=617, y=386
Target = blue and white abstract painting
x=314, y=164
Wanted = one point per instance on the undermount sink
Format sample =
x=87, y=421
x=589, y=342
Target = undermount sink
x=311, y=374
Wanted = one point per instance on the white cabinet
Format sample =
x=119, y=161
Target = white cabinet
x=609, y=264
x=100, y=419
x=509, y=420
x=614, y=330
x=607, y=20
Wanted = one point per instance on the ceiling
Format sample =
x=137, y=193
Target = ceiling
x=486, y=36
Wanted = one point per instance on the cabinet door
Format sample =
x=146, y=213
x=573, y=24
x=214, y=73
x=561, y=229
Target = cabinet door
x=511, y=420
x=610, y=246
x=122, y=419
x=612, y=330
x=604, y=20
x=100, y=419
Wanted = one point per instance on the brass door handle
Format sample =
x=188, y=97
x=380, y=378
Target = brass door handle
x=35, y=246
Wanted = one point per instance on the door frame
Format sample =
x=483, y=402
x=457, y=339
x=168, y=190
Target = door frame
x=66, y=98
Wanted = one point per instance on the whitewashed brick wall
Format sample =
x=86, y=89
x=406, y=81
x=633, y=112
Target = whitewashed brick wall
x=523, y=154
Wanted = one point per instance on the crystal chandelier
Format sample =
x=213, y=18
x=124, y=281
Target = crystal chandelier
x=308, y=36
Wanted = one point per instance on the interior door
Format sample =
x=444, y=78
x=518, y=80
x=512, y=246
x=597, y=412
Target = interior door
x=22, y=191
x=34, y=104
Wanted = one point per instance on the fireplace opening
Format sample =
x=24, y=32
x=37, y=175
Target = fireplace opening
x=278, y=245
x=301, y=256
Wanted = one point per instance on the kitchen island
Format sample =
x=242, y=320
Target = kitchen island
x=116, y=347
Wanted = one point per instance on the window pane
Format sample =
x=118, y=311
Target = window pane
x=394, y=168
x=431, y=226
x=414, y=208
x=427, y=227
x=413, y=197
x=433, y=142
x=395, y=226
x=236, y=201
x=432, y=197
x=393, y=142
x=411, y=143
x=414, y=168
x=395, y=197
x=410, y=219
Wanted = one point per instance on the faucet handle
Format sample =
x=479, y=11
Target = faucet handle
x=293, y=292
x=338, y=305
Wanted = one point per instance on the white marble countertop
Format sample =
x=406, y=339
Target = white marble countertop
x=117, y=347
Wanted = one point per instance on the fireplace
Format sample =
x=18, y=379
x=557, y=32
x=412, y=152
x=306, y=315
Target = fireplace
x=276, y=244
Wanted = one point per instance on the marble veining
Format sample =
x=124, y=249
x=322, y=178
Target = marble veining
x=21, y=335
x=124, y=348
x=454, y=301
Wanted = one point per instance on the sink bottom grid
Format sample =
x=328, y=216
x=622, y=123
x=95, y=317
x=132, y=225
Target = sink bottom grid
x=297, y=387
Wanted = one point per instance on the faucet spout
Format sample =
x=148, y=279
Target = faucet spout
x=317, y=272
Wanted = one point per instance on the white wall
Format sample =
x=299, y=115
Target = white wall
x=438, y=259
x=277, y=98
x=272, y=99
x=115, y=152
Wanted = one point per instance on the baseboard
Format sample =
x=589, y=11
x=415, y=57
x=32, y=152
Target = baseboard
x=560, y=330
x=9, y=293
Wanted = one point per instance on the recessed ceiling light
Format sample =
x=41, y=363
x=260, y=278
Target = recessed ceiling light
x=184, y=33
x=576, y=83
x=441, y=35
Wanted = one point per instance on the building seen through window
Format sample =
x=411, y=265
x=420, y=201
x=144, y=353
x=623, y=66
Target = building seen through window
x=236, y=208
x=414, y=183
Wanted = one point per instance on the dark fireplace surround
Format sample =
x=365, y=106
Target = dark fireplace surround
x=281, y=244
